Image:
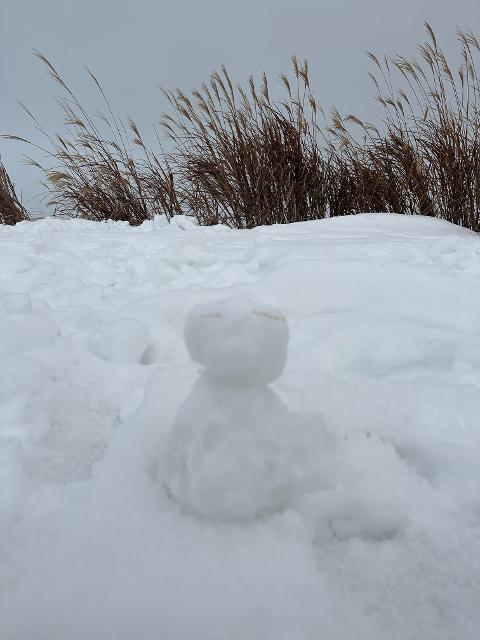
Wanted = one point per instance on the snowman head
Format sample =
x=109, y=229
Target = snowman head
x=238, y=341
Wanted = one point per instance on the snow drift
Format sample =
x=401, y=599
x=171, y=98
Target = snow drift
x=384, y=323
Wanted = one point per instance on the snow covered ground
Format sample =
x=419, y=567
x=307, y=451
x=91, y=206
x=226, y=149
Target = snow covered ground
x=384, y=320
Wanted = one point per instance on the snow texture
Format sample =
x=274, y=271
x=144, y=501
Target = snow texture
x=362, y=457
x=238, y=341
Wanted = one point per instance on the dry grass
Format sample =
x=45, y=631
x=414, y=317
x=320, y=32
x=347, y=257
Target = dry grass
x=244, y=160
x=425, y=156
x=239, y=157
x=94, y=172
x=11, y=209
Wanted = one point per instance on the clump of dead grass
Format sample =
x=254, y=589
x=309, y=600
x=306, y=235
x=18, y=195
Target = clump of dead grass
x=243, y=159
x=424, y=157
x=11, y=208
x=99, y=168
x=239, y=157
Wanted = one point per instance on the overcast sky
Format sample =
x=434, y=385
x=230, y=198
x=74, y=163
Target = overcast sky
x=133, y=46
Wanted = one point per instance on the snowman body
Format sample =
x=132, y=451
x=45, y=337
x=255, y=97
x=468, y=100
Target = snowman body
x=235, y=450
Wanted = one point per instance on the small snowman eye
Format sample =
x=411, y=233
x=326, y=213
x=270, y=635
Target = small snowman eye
x=270, y=316
x=210, y=315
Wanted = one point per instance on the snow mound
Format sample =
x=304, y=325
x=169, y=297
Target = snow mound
x=374, y=530
x=122, y=342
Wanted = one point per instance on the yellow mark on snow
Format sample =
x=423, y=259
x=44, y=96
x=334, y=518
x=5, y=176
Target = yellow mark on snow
x=270, y=316
x=257, y=312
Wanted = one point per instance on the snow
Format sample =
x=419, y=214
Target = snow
x=122, y=341
x=238, y=340
x=238, y=452
x=235, y=451
x=381, y=539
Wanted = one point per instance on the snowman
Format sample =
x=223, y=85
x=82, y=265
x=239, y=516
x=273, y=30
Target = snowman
x=236, y=451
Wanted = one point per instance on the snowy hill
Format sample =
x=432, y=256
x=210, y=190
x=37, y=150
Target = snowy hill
x=384, y=322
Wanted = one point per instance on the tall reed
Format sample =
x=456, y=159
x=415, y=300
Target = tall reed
x=424, y=157
x=243, y=159
x=100, y=168
x=239, y=157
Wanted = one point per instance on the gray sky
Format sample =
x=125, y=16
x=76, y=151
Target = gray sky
x=133, y=46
